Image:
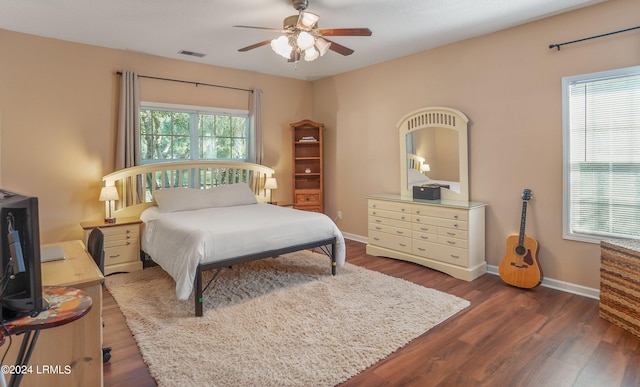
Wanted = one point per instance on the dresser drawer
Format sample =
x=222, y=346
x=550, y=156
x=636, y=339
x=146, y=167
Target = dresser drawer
x=389, y=214
x=121, y=254
x=440, y=212
x=390, y=241
x=442, y=253
x=390, y=206
x=424, y=236
x=452, y=233
x=454, y=242
x=389, y=222
x=307, y=198
x=120, y=231
x=389, y=229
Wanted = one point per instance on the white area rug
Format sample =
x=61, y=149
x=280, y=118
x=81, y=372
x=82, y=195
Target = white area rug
x=276, y=322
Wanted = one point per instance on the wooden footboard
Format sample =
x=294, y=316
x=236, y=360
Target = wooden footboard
x=197, y=285
x=136, y=185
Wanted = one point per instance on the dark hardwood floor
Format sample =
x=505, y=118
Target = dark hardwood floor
x=507, y=337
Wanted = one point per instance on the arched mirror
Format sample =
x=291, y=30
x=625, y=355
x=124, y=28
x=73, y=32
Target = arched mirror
x=433, y=149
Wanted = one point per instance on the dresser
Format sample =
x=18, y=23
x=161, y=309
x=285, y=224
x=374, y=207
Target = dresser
x=121, y=244
x=71, y=354
x=447, y=236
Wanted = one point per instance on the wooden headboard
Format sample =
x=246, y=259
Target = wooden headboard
x=136, y=184
x=414, y=161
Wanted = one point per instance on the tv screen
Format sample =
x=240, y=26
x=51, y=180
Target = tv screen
x=21, y=281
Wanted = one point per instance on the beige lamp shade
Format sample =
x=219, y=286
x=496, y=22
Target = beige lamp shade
x=271, y=183
x=108, y=194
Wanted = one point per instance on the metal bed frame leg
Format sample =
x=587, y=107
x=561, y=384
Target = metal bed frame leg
x=333, y=259
x=198, y=293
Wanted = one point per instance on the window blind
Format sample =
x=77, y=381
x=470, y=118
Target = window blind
x=604, y=155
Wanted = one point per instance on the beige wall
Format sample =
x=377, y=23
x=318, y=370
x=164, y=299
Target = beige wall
x=58, y=108
x=509, y=85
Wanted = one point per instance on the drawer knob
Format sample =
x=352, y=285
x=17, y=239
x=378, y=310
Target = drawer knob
x=455, y=225
x=402, y=209
x=128, y=231
x=128, y=242
x=455, y=216
x=455, y=256
x=418, y=212
x=451, y=242
x=451, y=233
x=378, y=228
x=114, y=256
x=422, y=249
x=399, y=232
x=376, y=239
x=402, y=244
x=402, y=217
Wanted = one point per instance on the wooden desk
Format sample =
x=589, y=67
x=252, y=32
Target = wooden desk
x=78, y=344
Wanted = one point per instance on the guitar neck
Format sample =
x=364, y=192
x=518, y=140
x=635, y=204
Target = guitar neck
x=523, y=221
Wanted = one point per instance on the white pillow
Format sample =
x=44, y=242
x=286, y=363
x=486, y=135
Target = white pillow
x=228, y=195
x=181, y=199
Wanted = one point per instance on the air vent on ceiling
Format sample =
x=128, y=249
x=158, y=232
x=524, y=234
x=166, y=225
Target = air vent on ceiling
x=191, y=53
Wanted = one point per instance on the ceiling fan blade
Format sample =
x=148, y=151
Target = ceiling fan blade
x=251, y=47
x=263, y=28
x=345, y=31
x=340, y=49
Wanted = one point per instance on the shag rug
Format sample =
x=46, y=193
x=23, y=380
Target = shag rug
x=276, y=322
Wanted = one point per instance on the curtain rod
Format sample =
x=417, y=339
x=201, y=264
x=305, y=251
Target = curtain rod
x=190, y=82
x=592, y=37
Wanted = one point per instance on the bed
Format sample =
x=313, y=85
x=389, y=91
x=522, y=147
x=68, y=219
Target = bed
x=201, y=216
x=415, y=176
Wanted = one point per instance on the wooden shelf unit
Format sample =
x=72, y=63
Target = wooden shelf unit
x=307, y=166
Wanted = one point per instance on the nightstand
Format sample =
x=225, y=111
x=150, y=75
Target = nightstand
x=121, y=244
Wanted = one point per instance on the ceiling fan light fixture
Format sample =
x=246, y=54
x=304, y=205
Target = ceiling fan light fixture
x=307, y=20
x=281, y=46
x=305, y=40
x=322, y=46
x=311, y=54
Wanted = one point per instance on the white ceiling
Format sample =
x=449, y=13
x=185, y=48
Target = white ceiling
x=164, y=27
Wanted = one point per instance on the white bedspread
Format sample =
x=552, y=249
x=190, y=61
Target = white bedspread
x=179, y=241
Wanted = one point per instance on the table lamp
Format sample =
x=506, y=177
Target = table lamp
x=424, y=168
x=109, y=194
x=271, y=184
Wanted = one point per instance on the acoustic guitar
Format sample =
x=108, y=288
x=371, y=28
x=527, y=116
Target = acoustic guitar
x=520, y=266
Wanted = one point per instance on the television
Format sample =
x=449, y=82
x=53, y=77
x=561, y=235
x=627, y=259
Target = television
x=20, y=281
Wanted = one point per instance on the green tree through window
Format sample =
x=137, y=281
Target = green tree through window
x=179, y=133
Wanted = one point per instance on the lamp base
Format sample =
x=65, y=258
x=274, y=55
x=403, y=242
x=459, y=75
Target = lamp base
x=109, y=220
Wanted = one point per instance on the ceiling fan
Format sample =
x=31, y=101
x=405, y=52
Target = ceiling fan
x=301, y=36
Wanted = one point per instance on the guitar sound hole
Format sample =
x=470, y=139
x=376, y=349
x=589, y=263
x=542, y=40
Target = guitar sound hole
x=521, y=250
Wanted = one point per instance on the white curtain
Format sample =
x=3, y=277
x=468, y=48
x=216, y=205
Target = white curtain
x=254, y=148
x=128, y=136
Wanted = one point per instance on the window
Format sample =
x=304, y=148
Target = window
x=601, y=129
x=179, y=133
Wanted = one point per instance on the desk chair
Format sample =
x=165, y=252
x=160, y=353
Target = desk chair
x=95, y=246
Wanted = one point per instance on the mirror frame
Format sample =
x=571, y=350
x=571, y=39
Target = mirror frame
x=436, y=117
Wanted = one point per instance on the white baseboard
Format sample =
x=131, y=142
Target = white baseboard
x=560, y=285
x=546, y=282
